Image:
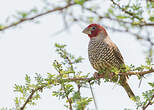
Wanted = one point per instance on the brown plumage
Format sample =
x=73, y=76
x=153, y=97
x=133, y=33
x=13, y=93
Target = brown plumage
x=104, y=54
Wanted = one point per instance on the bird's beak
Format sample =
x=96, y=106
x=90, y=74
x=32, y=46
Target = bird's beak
x=86, y=31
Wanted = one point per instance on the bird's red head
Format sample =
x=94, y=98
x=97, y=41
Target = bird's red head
x=94, y=29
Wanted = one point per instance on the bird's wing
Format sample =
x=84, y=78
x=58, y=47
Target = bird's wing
x=117, y=54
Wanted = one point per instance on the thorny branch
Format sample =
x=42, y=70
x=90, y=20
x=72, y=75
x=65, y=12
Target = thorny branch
x=125, y=11
x=122, y=21
x=28, y=99
x=85, y=79
x=63, y=86
x=69, y=100
x=79, y=86
x=143, y=23
x=69, y=5
x=31, y=96
x=149, y=103
x=36, y=16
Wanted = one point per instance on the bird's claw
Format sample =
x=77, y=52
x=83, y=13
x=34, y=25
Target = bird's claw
x=98, y=76
x=111, y=75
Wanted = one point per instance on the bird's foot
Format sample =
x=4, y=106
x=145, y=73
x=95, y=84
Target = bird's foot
x=98, y=75
x=111, y=75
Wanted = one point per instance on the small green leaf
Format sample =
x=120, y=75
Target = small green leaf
x=91, y=19
x=151, y=84
x=27, y=78
x=151, y=18
x=34, y=10
x=16, y=100
x=110, y=10
x=23, y=14
x=1, y=26
x=152, y=4
x=121, y=17
x=80, y=2
x=148, y=61
x=59, y=45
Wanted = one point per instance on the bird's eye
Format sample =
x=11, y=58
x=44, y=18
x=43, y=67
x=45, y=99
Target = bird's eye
x=93, y=28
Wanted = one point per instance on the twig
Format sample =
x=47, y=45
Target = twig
x=122, y=21
x=79, y=86
x=39, y=15
x=63, y=86
x=127, y=73
x=127, y=12
x=36, y=16
x=149, y=103
x=138, y=73
x=70, y=102
x=82, y=79
x=30, y=97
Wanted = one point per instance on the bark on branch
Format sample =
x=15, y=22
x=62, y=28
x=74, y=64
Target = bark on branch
x=149, y=103
x=86, y=79
x=30, y=97
x=36, y=16
x=114, y=19
x=127, y=73
x=125, y=11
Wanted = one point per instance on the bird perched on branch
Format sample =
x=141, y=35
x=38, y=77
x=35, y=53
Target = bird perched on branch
x=105, y=56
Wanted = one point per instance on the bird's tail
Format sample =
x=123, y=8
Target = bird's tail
x=125, y=85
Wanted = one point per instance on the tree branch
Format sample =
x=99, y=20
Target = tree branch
x=70, y=102
x=67, y=6
x=31, y=96
x=36, y=16
x=101, y=76
x=149, y=103
x=83, y=79
x=138, y=73
x=122, y=21
x=125, y=11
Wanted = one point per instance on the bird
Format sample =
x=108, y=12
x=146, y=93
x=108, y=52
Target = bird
x=105, y=56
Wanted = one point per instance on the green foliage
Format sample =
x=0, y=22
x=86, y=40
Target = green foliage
x=122, y=17
x=151, y=19
x=1, y=26
x=66, y=84
x=148, y=98
x=5, y=109
x=82, y=103
x=23, y=14
x=127, y=109
x=68, y=90
x=129, y=17
x=151, y=84
x=80, y=2
x=75, y=96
